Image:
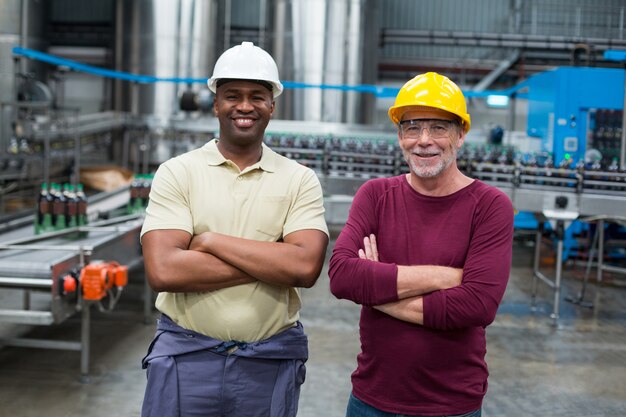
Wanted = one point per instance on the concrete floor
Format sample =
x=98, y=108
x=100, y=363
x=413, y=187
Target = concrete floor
x=576, y=368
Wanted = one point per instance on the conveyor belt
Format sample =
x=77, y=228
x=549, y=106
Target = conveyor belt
x=39, y=263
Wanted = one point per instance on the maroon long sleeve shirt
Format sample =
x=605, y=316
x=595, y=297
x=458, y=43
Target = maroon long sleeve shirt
x=438, y=368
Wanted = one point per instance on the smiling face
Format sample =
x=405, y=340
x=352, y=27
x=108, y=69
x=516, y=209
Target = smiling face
x=428, y=152
x=244, y=109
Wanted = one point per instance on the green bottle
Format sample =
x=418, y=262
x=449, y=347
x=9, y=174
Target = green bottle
x=144, y=192
x=58, y=207
x=43, y=222
x=71, y=206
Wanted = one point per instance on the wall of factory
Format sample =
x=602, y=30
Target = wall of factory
x=492, y=16
x=576, y=19
x=80, y=31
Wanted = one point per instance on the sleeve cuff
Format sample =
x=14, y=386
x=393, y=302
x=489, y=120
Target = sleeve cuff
x=434, y=310
x=385, y=283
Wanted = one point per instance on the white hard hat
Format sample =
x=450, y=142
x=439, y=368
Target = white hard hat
x=246, y=62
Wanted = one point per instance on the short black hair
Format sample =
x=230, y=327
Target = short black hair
x=223, y=81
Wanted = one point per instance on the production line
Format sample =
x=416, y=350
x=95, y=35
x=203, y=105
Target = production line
x=67, y=272
x=64, y=272
x=577, y=175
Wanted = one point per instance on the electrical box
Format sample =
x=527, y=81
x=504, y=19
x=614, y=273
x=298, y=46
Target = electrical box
x=577, y=110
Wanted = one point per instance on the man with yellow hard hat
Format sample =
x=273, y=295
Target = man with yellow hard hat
x=428, y=256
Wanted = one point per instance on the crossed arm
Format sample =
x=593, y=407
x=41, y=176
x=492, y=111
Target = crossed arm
x=175, y=261
x=412, y=283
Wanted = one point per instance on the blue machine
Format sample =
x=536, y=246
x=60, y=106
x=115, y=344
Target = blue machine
x=563, y=106
x=576, y=110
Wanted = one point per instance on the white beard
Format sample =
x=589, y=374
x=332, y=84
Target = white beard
x=425, y=169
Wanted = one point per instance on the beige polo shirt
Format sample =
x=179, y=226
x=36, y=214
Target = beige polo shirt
x=202, y=191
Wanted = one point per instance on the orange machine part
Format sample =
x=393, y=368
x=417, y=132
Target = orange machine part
x=69, y=284
x=97, y=278
x=121, y=275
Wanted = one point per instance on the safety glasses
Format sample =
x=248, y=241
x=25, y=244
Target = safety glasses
x=437, y=128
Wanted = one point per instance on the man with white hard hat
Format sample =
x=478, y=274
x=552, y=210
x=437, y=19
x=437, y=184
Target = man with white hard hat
x=231, y=231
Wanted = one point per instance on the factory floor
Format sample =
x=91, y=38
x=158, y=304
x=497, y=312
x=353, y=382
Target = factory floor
x=574, y=368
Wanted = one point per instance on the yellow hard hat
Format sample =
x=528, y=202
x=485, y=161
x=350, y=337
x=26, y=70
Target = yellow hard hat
x=431, y=90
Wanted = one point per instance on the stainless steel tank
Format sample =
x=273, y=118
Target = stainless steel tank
x=174, y=38
x=329, y=42
x=20, y=25
x=9, y=37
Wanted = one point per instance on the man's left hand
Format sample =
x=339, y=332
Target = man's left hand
x=370, y=250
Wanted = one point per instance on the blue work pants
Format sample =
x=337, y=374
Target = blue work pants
x=190, y=374
x=357, y=408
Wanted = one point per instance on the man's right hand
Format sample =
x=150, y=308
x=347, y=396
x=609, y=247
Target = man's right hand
x=415, y=279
